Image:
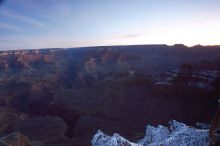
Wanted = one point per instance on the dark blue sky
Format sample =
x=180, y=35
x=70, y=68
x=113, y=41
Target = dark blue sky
x=72, y=23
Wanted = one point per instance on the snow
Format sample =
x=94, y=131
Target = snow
x=178, y=134
x=155, y=134
x=101, y=139
x=183, y=135
x=201, y=79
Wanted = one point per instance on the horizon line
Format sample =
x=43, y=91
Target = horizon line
x=97, y=46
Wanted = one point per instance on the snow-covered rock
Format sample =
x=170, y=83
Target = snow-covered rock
x=183, y=135
x=176, y=126
x=101, y=139
x=155, y=134
x=178, y=134
x=201, y=79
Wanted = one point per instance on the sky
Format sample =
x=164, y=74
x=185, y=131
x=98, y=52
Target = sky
x=26, y=24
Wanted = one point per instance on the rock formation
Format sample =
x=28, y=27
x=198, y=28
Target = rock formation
x=177, y=134
x=14, y=139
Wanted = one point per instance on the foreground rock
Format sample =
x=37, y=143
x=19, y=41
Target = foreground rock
x=14, y=139
x=46, y=129
x=178, y=134
x=8, y=118
x=101, y=139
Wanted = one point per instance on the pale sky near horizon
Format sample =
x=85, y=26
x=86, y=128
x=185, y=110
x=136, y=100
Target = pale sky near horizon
x=78, y=23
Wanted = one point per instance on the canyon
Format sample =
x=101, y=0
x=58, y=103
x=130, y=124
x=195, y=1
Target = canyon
x=61, y=97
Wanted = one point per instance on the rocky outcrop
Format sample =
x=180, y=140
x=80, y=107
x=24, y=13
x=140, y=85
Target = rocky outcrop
x=201, y=79
x=90, y=65
x=101, y=139
x=14, y=139
x=181, y=134
x=9, y=117
x=155, y=134
x=213, y=128
x=177, y=134
x=28, y=58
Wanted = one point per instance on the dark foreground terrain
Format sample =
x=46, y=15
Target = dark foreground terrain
x=61, y=97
